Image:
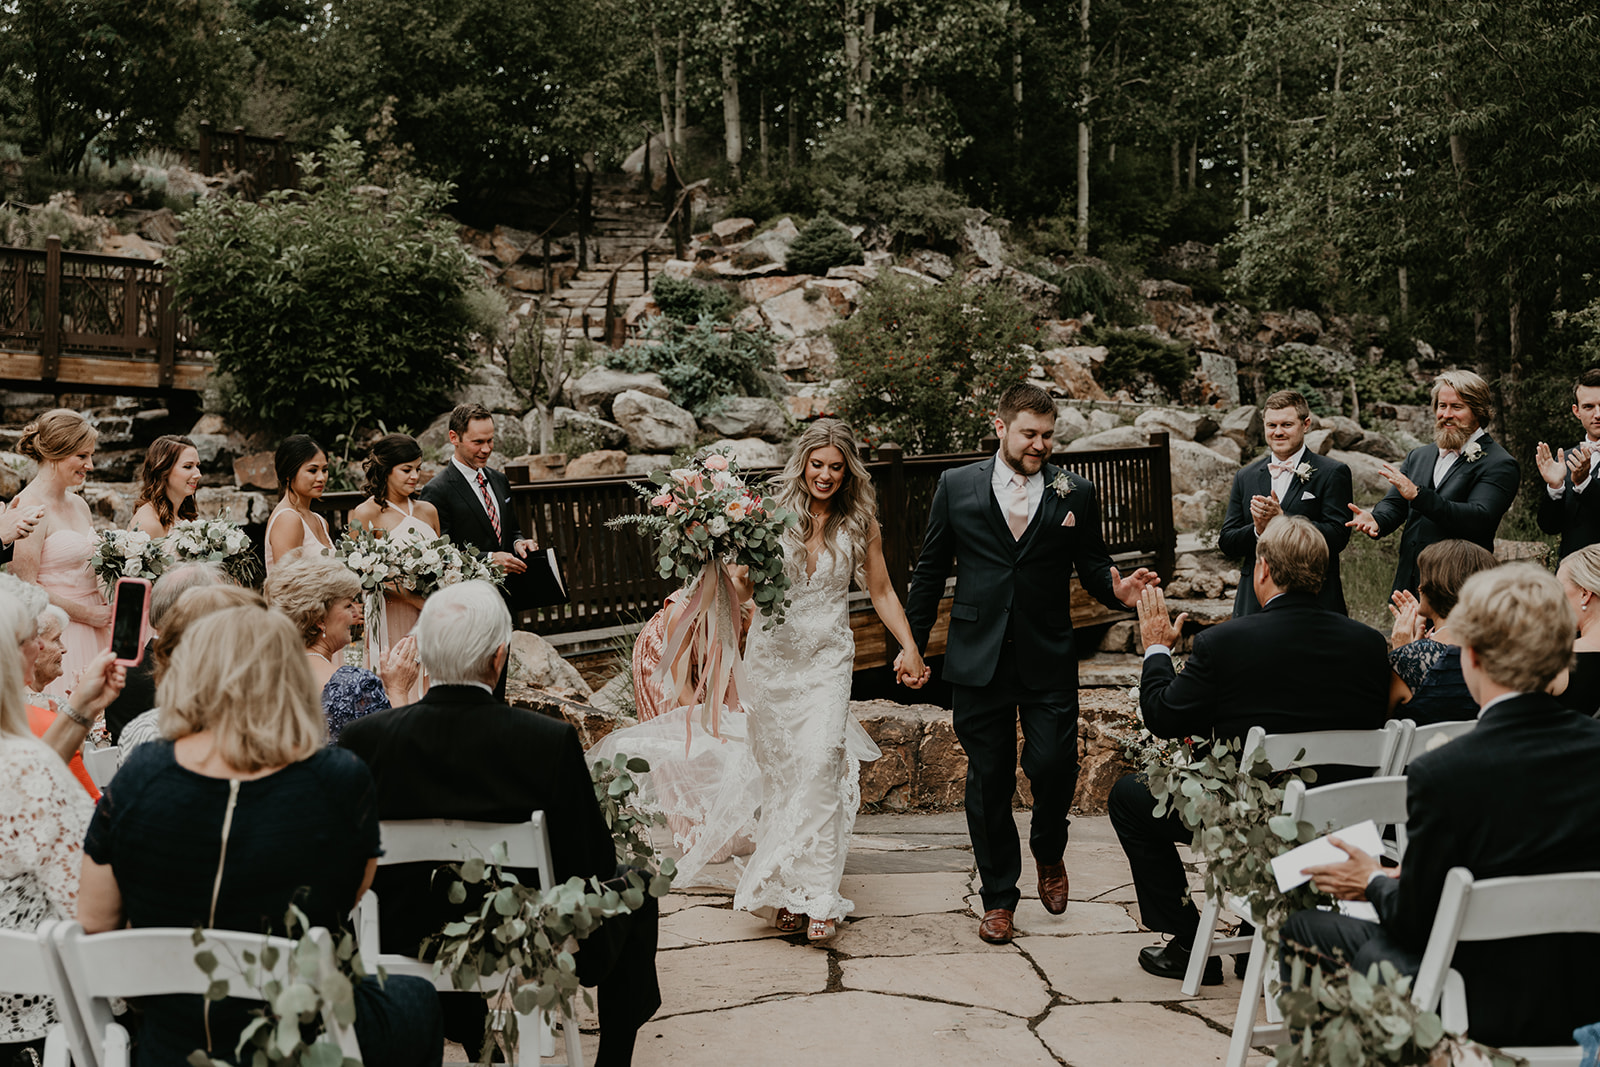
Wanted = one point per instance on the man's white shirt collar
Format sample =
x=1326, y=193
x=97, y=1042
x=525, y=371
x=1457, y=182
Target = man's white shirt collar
x=466, y=472
x=1501, y=699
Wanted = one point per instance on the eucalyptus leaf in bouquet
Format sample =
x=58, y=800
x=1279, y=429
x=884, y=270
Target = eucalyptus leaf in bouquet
x=216, y=541
x=128, y=554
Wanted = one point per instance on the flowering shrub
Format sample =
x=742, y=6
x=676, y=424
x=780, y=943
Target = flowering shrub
x=925, y=365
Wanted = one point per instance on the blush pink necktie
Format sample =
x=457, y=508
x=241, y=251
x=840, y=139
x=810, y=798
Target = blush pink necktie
x=1017, y=507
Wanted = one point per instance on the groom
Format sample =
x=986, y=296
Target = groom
x=1016, y=525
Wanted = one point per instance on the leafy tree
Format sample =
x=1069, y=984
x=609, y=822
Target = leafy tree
x=335, y=305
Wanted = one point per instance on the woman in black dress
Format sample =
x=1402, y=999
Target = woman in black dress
x=1427, y=686
x=1580, y=577
x=238, y=813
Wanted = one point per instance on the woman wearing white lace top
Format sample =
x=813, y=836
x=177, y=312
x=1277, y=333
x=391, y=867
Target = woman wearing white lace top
x=43, y=816
x=302, y=468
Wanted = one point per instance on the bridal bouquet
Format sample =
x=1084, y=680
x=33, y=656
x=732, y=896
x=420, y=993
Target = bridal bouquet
x=128, y=554
x=706, y=519
x=428, y=566
x=215, y=541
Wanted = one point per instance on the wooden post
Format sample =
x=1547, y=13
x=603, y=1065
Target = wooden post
x=585, y=218
x=281, y=177
x=1161, y=494
x=611, y=312
x=645, y=258
x=549, y=273
x=166, y=345
x=238, y=148
x=130, y=306
x=50, y=342
x=205, y=147
x=990, y=444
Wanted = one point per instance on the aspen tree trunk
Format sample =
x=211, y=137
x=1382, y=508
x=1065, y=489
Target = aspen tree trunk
x=794, y=135
x=766, y=157
x=680, y=111
x=1083, y=127
x=732, y=125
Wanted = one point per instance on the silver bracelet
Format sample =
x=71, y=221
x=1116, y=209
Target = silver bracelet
x=72, y=713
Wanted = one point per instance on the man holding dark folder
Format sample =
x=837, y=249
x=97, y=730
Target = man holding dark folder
x=474, y=502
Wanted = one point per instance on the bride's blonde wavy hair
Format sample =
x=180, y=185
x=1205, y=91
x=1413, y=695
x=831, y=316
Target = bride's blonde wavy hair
x=853, y=508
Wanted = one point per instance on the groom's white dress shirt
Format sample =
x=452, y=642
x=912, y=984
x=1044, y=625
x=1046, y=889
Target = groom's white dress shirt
x=1001, y=484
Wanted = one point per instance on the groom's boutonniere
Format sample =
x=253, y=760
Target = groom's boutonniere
x=1062, y=484
x=1304, y=472
x=1472, y=452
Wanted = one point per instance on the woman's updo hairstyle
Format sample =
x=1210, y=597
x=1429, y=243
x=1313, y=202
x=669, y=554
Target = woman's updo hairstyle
x=55, y=435
x=388, y=452
x=295, y=452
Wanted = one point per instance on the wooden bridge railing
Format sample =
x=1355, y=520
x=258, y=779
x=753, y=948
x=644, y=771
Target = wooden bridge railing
x=612, y=577
x=92, y=322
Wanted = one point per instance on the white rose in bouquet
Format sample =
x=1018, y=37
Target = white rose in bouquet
x=718, y=526
x=131, y=567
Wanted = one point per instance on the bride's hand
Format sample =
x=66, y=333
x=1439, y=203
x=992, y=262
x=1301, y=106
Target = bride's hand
x=909, y=670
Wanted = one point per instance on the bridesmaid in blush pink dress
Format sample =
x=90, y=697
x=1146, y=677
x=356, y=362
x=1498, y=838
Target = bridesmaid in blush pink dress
x=56, y=556
x=391, y=509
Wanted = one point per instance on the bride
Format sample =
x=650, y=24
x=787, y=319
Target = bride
x=804, y=748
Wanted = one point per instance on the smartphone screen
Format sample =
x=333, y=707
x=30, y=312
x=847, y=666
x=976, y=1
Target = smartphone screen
x=127, y=621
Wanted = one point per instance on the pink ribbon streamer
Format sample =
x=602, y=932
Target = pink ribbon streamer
x=705, y=638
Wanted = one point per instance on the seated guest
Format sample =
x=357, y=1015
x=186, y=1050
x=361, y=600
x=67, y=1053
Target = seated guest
x=1292, y=666
x=238, y=813
x=1579, y=574
x=1513, y=797
x=458, y=753
x=1426, y=686
x=43, y=815
x=139, y=695
x=323, y=599
x=195, y=603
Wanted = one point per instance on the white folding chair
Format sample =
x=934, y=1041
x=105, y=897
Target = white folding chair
x=29, y=968
x=156, y=961
x=1378, y=749
x=1327, y=807
x=102, y=764
x=1422, y=739
x=451, y=841
x=1492, y=910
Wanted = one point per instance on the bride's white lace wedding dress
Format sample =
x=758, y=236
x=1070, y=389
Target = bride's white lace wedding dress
x=786, y=770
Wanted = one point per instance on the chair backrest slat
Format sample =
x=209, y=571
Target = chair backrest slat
x=454, y=840
x=1378, y=749
x=102, y=764
x=1525, y=906
x=23, y=964
x=1424, y=739
x=1381, y=799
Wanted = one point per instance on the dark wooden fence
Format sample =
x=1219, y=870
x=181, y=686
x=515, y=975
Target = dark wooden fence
x=96, y=323
x=612, y=577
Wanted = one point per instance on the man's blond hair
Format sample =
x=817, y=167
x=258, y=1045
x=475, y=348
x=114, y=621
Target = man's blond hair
x=242, y=674
x=1472, y=390
x=1295, y=552
x=1517, y=620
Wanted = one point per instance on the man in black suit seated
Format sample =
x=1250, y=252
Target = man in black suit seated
x=1460, y=486
x=460, y=754
x=1568, y=506
x=1246, y=672
x=1513, y=797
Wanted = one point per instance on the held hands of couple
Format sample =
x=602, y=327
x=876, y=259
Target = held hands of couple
x=1154, y=626
x=1347, y=879
x=909, y=669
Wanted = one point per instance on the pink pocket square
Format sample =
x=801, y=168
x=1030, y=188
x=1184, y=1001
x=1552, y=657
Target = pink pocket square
x=1070, y=520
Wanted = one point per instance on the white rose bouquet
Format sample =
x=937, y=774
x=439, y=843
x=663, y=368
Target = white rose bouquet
x=428, y=566
x=128, y=554
x=373, y=559
x=216, y=541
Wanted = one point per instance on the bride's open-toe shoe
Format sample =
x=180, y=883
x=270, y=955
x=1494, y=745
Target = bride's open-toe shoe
x=787, y=921
x=821, y=929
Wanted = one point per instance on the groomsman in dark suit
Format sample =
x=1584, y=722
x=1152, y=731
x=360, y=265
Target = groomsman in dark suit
x=1288, y=480
x=1460, y=486
x=474, y=502
x=459, y=753
x=1570, y=507
x=1241, y=674
x=1514, y=797
x=1017, y=527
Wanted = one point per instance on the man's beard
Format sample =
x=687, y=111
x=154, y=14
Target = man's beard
x=1017, y=461
x=1449, y=438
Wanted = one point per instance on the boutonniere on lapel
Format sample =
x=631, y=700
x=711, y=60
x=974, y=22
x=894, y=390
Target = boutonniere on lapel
x=1472, y=452
x=1304, y=472
x=1063, y=485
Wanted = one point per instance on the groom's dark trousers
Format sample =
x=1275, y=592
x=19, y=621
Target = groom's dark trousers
x=1010, y=653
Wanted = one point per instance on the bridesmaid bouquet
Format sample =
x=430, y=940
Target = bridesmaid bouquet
x=428, y=566
x=373, y=559
x=705, y=519
x=128, y=554
x=216, y=541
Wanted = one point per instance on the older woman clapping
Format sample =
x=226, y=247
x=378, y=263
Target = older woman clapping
x=322, y=599
x=237, y=813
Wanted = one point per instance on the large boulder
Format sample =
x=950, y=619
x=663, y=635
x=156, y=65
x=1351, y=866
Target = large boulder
x=653, y=424
x=1072, y=370
x=640, y=466
x=1101, y=420
x=603, y=463
x=748, y=416
x=982, y=242
x=1196, y=467
x=1319, y=441
x=598, y=389
x=1346, y=431
x=814, y=355
x=590, y=430
x=769, y=247
x=1183, y=425
x=799, y=312
x=1071, y=424
x=234, y=505
x=1121, y=437
x=1030, y=287
x=489, y=386
x=1243, y=424
x=1225, y=446
x=1366, y=475
x=534, y=662
x=436, y=438
x=1376, y=444
x=754, y=452
x=732, y=231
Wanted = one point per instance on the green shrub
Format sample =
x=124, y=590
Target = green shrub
x=702, y=365
x=772, y=198
x=1092, y=287
x=331, y=306
x=925, y=365
x=1134, y=357
x=888, y=175
x=689, y=301
x=821, y=245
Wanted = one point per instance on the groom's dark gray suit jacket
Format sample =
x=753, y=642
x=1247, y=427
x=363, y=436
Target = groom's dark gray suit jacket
x=1023, y=587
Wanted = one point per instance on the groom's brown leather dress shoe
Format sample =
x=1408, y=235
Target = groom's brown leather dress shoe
x=1053, y=886
x=996, y=926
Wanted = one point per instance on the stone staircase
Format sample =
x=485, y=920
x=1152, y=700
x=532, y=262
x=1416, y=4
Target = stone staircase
x=624, y=223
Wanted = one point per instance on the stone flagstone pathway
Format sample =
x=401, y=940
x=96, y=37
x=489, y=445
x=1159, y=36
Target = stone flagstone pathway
x=908, y=980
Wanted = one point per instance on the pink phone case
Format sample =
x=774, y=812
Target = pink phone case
x=144, y=618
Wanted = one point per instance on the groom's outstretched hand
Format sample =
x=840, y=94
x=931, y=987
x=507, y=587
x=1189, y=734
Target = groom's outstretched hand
x=1130, y=589
x=910, y=670
x=1154, y=626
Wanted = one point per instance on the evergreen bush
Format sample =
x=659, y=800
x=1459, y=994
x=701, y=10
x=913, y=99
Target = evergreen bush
x=703, y=364
x=690, y=301
x=821, y=245
x=1134, y=357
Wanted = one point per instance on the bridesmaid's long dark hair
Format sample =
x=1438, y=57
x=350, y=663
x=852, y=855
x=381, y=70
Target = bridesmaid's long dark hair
x=388, y=452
